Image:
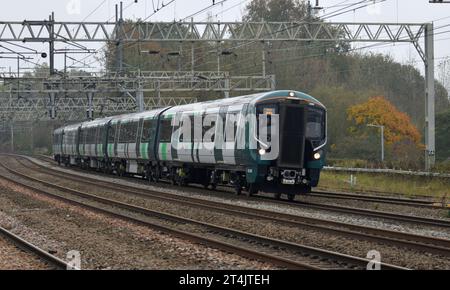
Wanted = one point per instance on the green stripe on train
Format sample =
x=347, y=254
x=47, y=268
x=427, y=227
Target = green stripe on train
x=163, y=150
x=144, y=150
x=110, y=150
x=99, y=150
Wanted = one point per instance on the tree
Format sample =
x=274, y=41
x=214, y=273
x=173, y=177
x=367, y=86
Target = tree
x=377, y=110
x=401, y=137
x=443, y=135
x=276, y=10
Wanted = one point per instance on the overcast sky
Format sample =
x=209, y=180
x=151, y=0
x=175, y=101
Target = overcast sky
x=231, y=10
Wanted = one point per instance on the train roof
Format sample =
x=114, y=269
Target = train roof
x=96, y=122
x=200, y=106
x=139, y=115
x=246, y=99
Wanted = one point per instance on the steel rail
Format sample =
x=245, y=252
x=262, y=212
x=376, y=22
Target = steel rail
x=33, y=249
x=380, y=199
x=366, y=212
x=360, y=211
x=319, y=256
x=419, y=242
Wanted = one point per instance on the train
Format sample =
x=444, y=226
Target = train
x=271, y=142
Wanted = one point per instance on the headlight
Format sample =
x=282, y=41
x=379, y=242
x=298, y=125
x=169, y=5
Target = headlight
x=317, y=155
x=262, y=151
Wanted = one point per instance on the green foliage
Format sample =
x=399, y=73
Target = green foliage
x=443, y=136
x=443, y=166
x=276, y=10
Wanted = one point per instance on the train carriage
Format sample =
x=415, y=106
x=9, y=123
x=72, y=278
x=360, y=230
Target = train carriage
x=130, y=142
x=69, y=146
x=227, y=142
x=57, y=143
x=91, y=143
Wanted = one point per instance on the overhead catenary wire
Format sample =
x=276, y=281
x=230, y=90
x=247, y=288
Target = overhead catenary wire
x=284, y=29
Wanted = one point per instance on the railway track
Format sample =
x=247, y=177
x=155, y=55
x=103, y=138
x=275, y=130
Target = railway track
x=278, y=252
x=366, y=212
x=352, y=196
x=52, y=260
x=382, y=199
x=358, y=211
x=421, y=243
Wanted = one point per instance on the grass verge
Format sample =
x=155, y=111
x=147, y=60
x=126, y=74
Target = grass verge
x=409, y=186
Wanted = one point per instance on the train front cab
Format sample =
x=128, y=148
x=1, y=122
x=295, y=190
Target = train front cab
x=302, y=136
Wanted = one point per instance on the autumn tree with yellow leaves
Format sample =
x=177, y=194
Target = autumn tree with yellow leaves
x=401, y=137
x=377, y=110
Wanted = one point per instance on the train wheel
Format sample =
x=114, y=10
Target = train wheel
x=155, y=174
x=291, y=196
x=237, y=190
x=252, y=189
x=148, y=174
x=120, y=170
x=277, y=195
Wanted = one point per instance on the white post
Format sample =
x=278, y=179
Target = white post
x=382, y=138
x=430, y=97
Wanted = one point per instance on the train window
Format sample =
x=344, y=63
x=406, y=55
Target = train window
x=92, y=135
x=101, y=134
x=147, y=127
x=315, y=126
x=112, y=133
x=133, y=127
x=165, y=131
x=97, y=138
x=89, y=136
x=82, y=136
x=74, y=137
x=123, y=132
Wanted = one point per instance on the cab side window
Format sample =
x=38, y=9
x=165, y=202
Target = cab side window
x=147, y=128
x=165, y=131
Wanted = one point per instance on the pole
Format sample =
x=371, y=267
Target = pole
x=264, y=60
x=12, y=136
x=31, y=138
x=227, y=86
x=382, y=143
x=52, y=105
x=218, y=58
x=52, y=44
x=158, y=93
x=18, y=76
x=90, y=112
x=119, y=46
x=430, y=98
x=140, y=99
x=192, y=59
x=192, y=49
x=65, y=64
x=382, y=138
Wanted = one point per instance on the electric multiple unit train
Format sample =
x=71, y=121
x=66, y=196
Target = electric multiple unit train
x=229, y=143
